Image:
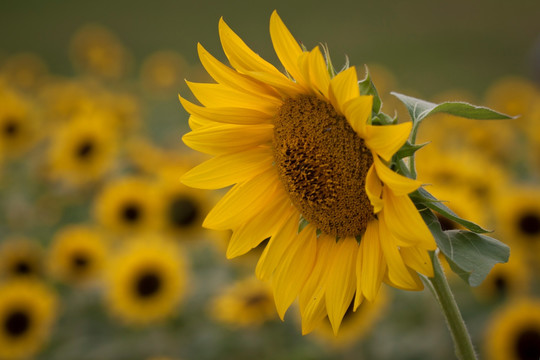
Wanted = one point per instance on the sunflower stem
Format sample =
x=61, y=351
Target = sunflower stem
x=439, y=285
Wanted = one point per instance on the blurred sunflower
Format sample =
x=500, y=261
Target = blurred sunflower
x=77, y=254
x=66, y=100
x=18, y=123
x=25, y=70
x=514, y=332
x=146, y=281
x=182, y=208
x=162, y=73
x=83, y=150
x=127, y=205
x=248, y=302
x=20, y=257
x=355, y=324
x=27, y=311
x=305, y=151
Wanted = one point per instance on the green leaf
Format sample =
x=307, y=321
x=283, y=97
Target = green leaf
x=408, y=149
x=420, y=109
x=470, y=255
x=422, y=196
x=368, y=88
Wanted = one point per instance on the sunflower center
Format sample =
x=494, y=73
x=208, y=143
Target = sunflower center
x=131, y=212
x=80, y=261
x=17, y=323
x=183, y=211
x=501, y=284
x=323, y=164
x=528, y=344
x=529, y=224
x=11, y=128
x=85, y=149
x=22, y=268
x=147, y=284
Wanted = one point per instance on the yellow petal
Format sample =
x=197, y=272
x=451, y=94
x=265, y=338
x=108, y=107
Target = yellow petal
x=417, y=259
x=398, y=273
x=341, y=281
x=243, y=201
x=405, y=222
x=372, y=267
x=227, y=76
x=286, y=87
x=260, y=227
x=318, y=72
x=374, y=190
x=357, y=111
x=287, y=48
x=217, y=95
x=418, y=285
x=228, y=115
x=386, y=140
x=229, y=169
x=228, y=138
x=294, y=269
x=278, y=244
x=344, y=87
x=399, y=184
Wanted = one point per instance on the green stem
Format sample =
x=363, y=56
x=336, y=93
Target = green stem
x=439, y=286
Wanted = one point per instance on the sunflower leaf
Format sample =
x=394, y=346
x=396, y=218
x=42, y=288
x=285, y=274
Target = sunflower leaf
x=422, y=196
x=470, y=255
x=408, y=150
x=368, y=88
x=420, y=109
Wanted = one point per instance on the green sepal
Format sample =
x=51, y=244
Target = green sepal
x=420, y=109
x=383, y=119
x=408, y=150
x=368, y=88
x=423, y=197
x=471, y=256
x=302, y=223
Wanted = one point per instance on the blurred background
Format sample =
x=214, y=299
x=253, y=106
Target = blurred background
x=102, y=254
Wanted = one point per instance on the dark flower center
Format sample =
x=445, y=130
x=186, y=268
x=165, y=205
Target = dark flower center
x=80, y=261
x=183, y=211
x=22, y=268
x=17, y=323
x=11, y=128
x=147, y=284
x=131, y=212
x=529, y=223
x=527, y=344
x=323, y=164
x=85, y=149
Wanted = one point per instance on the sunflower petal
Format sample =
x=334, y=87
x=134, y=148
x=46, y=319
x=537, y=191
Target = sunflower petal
x=399, y=184
x=284, y=86
x=417, y=259
x=406, y=223
x=228, y=138
x=287, y=48
x=343, y=87
x=228, y=169
x=374, y=190
x=386, y=140
x=341, y=281
x=294, y=269
x=318, y=72
x=372, y=267
x=243, y=201
x=357, y=111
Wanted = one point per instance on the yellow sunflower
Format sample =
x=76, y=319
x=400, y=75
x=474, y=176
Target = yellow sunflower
x=20, y=257
x=27, y=311
x=77, y=255
x=146, y=281
x=305, y=151
x=163, y=72
x=248, y=302
x=83, y=150
x=514, y=332
x=127, y=205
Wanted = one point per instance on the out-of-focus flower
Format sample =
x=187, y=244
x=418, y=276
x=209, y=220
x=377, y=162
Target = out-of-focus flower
x=163, y=73
x=25, y=71
x=21, y=257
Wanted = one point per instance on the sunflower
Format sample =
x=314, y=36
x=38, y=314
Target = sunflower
x=83, y=150
x=355, y=324
x=248, y=302
x=77, y=255
x=146, y=281
x=514, y=332
x=299, y=152
x=27, y=310
x=163, y=72
x=20, y=257
x=127, y=205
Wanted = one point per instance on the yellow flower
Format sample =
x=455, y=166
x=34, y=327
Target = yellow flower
x=27, y=310
x=304, y=150
x=514, y=332
x=25, y=70
x=77, y=255
x=163, y=72
x=127, y=205
x=20, y=257
x=248, y=302
x=83, y=150
x=146, y=281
